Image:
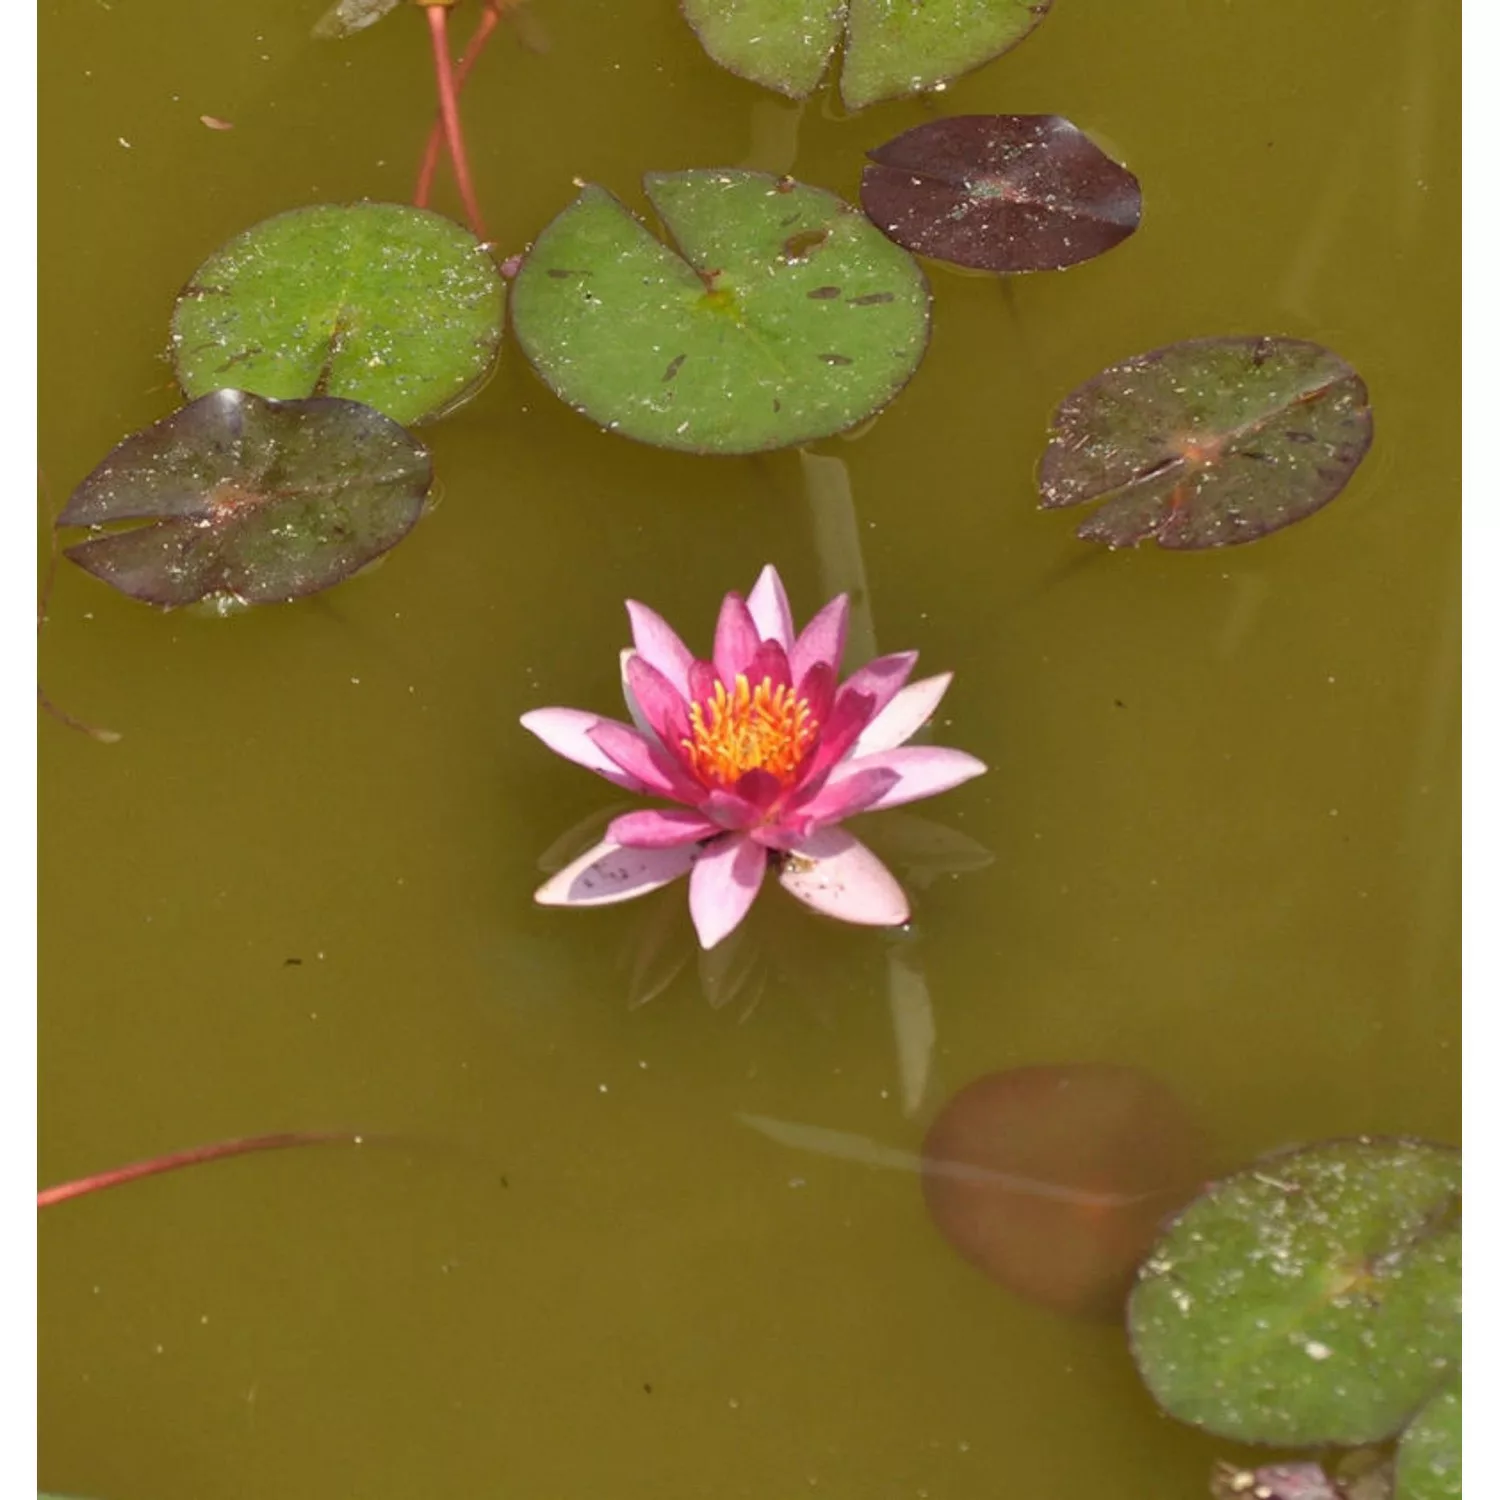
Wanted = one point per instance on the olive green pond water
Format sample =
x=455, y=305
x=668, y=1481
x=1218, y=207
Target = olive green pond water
x=1218, y=840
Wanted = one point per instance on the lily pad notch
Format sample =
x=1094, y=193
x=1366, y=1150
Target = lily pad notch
x=782, y=316
x=890, y=50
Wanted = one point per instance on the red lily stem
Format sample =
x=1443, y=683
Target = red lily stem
x=487, y=24
x=171, y=1162
x=437, y=22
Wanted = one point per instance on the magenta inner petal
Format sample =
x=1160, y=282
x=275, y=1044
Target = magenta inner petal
x=735, y=639
x=660, y=703
x=816, y=688
x=851, y=712
x=822, y=639
x=760, y=789
x=769, y=663
x=702, y=676
x=650, y=764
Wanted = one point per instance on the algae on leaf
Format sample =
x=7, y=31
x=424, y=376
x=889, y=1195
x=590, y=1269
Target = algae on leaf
x=392, y=306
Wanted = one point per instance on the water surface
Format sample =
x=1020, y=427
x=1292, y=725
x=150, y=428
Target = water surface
x=1222, y=804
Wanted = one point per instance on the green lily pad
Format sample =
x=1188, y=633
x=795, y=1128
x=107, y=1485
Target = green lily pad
x=249, y=500
x=891, y=47
x=395, y=307
x=1429, y=1462
x=1311, y=1299
x=786, y=316
x=1208, y=442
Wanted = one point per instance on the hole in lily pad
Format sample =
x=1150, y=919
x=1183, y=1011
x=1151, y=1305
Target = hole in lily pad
x=889, y=50
x=1000, y=193
x=1429, y=1462
x=786, y=316
x=1207, y=443
x=1310, y=1299
x=249, y=500
x=1054, y=1181
x=396, y=307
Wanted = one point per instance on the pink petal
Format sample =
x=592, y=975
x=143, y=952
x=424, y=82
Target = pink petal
x=834, y=873
x=725, y=881
x=816, y=686
x=567, y=731
x=848, y=791
x=660, y=703
x=822, y=638
x=769, y=608
x=921, y=771
x=903, y=716
x=606, y=874
x=735, y=639
x=769, y=663
x=851, y=712
x=649, y=764
x=636, y=716
x=660, y=828
x=660, y=644
x=702, y=676
x=881, y=679
x=728, y=810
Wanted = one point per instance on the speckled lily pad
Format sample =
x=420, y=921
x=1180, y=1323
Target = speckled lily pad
x=1429, y=1462
x=392, y=306
x=1310, y=1299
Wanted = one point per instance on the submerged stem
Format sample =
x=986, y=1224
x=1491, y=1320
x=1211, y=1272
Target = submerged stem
x=191, y=1157
x=488, y=21
x=437, y=23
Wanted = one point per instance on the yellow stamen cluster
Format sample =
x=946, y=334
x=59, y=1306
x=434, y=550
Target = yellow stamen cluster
x=749, y=729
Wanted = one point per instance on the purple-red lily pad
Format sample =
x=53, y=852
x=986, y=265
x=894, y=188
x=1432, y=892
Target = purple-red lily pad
x=250, y=500
x=1000, y=193
x=1208, y=442
x=1054, y=1181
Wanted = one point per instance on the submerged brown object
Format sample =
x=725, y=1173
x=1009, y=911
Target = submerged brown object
x=1055, y=1180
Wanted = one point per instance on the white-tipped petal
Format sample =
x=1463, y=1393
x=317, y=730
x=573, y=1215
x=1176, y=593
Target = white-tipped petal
x=608, y=873
x=566, y=731
x=903, y=716
x=726, y=879
x=770, y=609
x=631, y=702
x=834, y=873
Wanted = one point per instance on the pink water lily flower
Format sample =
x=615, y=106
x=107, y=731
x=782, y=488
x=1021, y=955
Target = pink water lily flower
x=765, y=753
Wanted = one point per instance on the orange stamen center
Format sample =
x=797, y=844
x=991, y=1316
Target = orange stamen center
x=749, y=729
